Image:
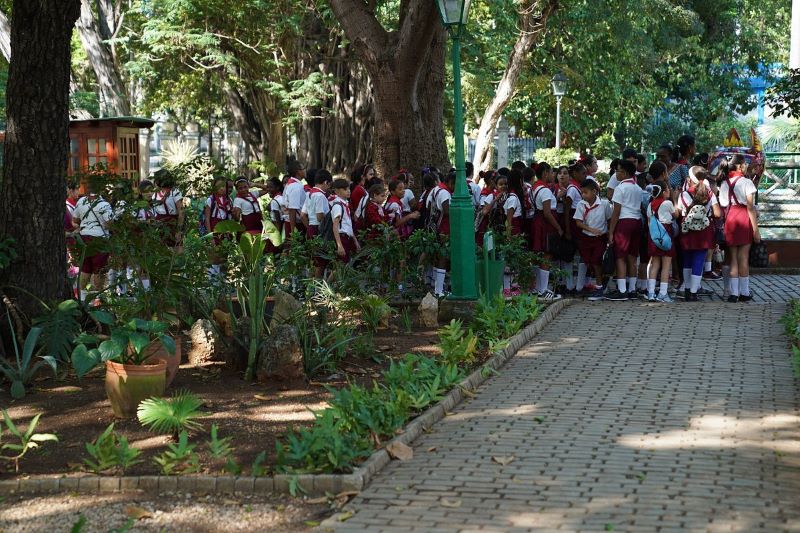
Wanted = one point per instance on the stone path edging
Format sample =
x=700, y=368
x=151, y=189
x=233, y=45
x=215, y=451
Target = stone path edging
x=311, y=484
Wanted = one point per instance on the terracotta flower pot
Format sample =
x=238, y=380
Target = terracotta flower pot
x=156, y=351
x=127, y=385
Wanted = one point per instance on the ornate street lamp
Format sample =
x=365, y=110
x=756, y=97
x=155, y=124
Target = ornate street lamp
x=559, y=83
x=462, y=215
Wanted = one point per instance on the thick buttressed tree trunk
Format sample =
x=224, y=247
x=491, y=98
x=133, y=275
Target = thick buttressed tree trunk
x=339, y=133
x=95, y=29
x=33, y=189
x=533, y=20
x=407, y=72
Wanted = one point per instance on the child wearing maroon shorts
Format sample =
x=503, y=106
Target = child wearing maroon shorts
x=343, y=235
x=591, y=217
x=625, y=230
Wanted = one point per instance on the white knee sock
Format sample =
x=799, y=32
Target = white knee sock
x=542, y=280
x=631, y=284
x=651, y=286
x=734, y=286
x=438, y=288
x=695, y=284
x=112, y=277
x=687, y=276
x=536, y=271
x=621, y=285
x=581, y=283
x=726, y=278
x=570, y=278
x=507, y=282
x=744, y=286
x=84, y=293
x=707, y=266
x=663, y=288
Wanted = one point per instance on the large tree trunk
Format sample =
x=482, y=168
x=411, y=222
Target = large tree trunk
x=114, y=99
x=533, y=20
x=407, y=71
x=33, y=188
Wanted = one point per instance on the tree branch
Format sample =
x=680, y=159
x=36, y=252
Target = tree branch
x=362, y=28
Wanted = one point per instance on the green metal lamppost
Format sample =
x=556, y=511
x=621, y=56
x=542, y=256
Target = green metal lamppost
x=462, y=213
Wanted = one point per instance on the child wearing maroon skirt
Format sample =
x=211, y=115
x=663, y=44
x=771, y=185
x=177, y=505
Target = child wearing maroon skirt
x=395, y=210
x=697, y=204
x=246, y=209
x=168, y=207
x=591, y=218
x=92, y=215
x=440, y=208
x=625, y=230
x=513, y=206
x=218, y=208
x=543, y=225
x=737, y=197
x=662, y=208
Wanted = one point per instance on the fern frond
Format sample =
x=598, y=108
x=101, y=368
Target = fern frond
x=169, y=416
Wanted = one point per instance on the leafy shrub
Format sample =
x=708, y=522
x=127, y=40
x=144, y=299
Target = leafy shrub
x=605, y=147
x=60, y=328
x=791, y=321
x=27, y=440
x=179, y=458
x=457, y=345
x=221, y=449
x=111, y=452
x=374, y=311
x=496, y=320
x=555, y=156
x=168, y=416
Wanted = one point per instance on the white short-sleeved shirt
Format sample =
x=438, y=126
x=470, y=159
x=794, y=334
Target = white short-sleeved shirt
x=93, y=216
x=277, y=211
x=475, y=192
x=317, y=202
x=442, y=196
x=685, y=202
x=539, y=195
x=340, y=210
x=408, y=196
x=629, y=196
x=741, y=190
x=394, y=211
x=248, y=205
x=167, y=203
x=665, y=211
x=512, y=202
x=530, y=211
x=612, y=181
x=217, y=211
x=595, y=216
x=295, y=194
x=486, y=199
x=574, y=194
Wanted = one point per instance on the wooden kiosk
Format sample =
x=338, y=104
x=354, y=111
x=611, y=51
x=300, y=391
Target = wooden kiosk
x=113, y=141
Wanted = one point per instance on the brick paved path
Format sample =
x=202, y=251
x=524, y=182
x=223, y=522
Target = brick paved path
x=628, y=430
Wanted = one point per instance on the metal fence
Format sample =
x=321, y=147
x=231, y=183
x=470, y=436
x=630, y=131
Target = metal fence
x=519, y=148
x=783, y=170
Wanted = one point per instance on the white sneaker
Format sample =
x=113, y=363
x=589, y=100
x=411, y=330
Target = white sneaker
x=549, y=296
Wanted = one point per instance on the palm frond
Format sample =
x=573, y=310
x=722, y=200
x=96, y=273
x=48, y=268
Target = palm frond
x=780, y=135
x=169, y=416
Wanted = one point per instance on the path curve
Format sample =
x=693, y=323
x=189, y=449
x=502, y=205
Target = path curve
x=612, y=420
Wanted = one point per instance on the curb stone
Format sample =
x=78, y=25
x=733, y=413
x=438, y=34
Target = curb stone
x=310, y=485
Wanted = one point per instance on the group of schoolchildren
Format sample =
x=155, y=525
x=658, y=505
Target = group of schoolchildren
x=668, y=220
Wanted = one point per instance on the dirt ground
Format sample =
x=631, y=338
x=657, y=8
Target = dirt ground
x=255, y=415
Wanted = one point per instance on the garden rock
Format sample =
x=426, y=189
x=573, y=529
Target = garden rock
x=286, y=308
x=280, y=356
x=205, y=342
x=429, y=311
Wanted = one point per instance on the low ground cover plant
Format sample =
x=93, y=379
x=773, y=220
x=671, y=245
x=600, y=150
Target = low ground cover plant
x=791, y=324
x=15, y=443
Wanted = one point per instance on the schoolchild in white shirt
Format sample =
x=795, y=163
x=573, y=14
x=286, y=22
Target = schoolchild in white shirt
x=591, y=218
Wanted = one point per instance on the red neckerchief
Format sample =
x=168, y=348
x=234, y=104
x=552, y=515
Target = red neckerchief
x=486, y=191
x=655, y=204
x=221, y=201
x=445, y=187
x=394, y=200
x=630, y=180
x=252, y=200
x=292, y=181
x=72, y=201
x=597, y=203
x=682, y=162
x=538, y=183
x=574, y=183
x=345, y=206
x=314, y=190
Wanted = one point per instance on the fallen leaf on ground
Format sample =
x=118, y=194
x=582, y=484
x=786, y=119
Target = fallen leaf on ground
x=311, y=523
x=432, y=449
x=137, y=513
x=261, y=397
x=399, y=431
x=384, y=348
x=316, y=501
x=503, y=460
x=344, y=516
x=450, y=503
x=354, y=370
x=400, y=451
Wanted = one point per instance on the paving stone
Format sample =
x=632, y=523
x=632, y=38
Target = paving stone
x=642, y=416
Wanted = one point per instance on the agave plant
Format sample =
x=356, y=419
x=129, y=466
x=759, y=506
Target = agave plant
x=21, y=374
x=178, y=152
x=169, y=416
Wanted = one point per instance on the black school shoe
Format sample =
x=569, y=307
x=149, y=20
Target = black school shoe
x=733, y=299
x=745, y=298
x=617, y=296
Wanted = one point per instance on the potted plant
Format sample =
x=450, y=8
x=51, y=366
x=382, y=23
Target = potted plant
x=132, y=374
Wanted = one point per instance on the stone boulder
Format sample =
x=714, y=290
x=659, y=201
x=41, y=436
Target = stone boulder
x=285, y=310
x=429, y=311
x=280, y=357
x=205, y=343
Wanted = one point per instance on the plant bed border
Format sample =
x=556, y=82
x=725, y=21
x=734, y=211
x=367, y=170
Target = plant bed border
x=308, y=484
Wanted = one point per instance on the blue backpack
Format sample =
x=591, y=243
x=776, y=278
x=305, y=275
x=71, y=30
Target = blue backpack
x=659, y=235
